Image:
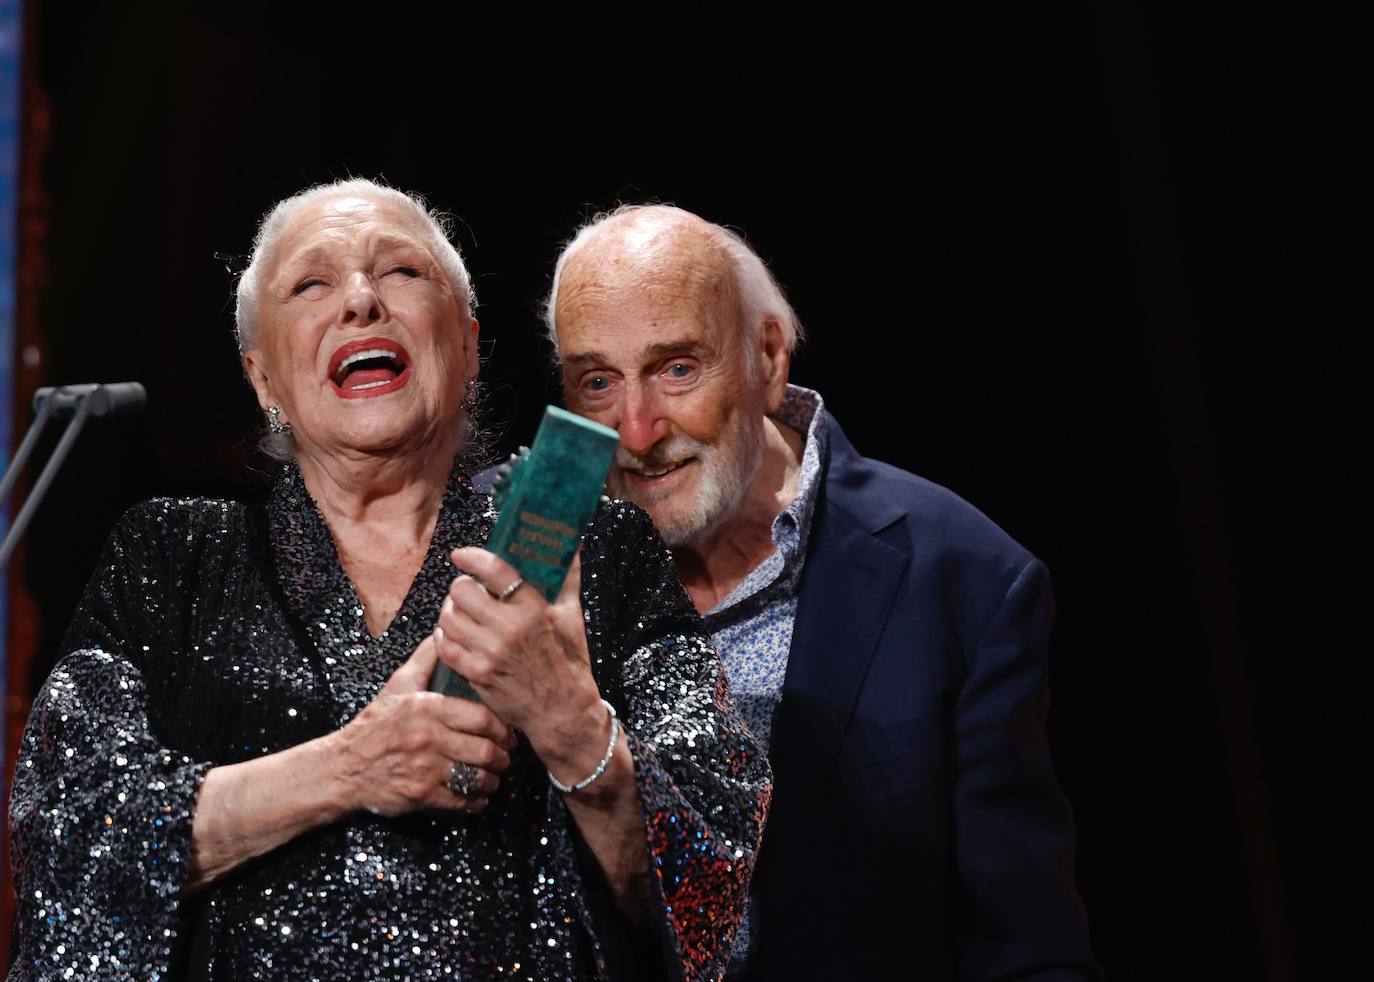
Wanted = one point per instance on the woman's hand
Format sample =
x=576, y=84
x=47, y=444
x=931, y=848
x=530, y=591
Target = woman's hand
x=397, y=755
x=527, y=658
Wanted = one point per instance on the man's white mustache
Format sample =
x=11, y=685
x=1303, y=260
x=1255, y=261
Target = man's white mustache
x=674, y=451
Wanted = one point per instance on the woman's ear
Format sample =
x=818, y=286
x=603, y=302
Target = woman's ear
x=472, y=365
x=256, y=371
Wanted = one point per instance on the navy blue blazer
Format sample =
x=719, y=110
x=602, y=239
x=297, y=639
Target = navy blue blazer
x=917, y=830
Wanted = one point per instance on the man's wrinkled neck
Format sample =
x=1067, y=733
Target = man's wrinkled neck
x=714, y=564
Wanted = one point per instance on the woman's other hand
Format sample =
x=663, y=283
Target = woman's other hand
x=398, y=754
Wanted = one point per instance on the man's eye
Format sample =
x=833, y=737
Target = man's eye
x=679, y=370
x=306, y=284
x=409, y=271
x=597, y=383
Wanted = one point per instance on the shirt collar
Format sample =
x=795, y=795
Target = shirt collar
x=803, y=410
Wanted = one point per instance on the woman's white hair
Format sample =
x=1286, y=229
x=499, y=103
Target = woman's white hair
x=760, y=297
x=434, y=225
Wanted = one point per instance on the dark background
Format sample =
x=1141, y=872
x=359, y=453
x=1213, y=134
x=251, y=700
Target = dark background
x=1086, y=266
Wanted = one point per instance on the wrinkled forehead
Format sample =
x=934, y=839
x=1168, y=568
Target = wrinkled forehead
x=646, y=275
x=341, y=222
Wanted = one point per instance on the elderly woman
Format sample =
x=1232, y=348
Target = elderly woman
x=237, y=770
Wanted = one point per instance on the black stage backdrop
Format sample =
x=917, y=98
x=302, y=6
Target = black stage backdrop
x=1082, y=266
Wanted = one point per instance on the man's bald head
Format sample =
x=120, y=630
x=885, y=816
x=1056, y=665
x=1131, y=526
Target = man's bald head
x=663, y=248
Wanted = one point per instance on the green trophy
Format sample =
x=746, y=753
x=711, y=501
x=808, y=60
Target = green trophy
x=546, y=496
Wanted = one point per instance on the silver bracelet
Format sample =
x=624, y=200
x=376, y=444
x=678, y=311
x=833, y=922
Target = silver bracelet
x=601, y=767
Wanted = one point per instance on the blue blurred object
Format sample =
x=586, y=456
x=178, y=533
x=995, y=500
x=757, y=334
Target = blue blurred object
x=11, y=43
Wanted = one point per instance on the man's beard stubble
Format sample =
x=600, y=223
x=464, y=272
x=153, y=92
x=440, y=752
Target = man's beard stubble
x=726, y=469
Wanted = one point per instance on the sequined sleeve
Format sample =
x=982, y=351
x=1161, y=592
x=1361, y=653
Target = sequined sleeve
x=100, y=817
x=703, y=781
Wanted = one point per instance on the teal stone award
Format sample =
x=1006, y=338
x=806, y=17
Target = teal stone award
x=546, y=496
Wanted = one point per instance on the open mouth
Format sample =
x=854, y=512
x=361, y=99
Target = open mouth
x=650, y=472
x=369, y=367
x=655, y=475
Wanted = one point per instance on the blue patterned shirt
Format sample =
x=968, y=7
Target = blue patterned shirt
x=752, y=626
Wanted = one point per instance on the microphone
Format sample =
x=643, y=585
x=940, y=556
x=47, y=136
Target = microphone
x=76, y=403
x=102, y=398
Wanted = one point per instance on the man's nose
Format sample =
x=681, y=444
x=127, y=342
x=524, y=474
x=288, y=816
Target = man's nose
x=361, y=305
x=642, y=423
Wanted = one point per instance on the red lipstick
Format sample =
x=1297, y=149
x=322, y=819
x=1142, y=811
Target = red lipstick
x=368, y=367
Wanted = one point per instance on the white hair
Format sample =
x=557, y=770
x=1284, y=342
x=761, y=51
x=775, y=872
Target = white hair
x=434, y=226
x=759, y=296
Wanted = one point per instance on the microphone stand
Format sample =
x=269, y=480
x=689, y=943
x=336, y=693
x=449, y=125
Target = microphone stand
x=80, y=402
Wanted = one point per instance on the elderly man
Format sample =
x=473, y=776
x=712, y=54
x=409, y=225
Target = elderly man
x=885, y=639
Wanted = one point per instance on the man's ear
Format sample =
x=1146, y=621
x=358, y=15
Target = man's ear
x=256, y=371
x=774, y=362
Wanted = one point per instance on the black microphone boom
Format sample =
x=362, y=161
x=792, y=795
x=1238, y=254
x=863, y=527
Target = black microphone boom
x=105, y=398
x=74, y=402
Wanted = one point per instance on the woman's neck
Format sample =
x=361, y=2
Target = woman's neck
x=381, y=513
x=399, y=496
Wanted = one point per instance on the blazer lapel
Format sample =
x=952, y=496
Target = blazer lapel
x=849, y=584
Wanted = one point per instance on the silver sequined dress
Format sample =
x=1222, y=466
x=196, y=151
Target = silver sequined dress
x=215, y=632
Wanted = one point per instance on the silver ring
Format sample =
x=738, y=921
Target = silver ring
x=515, y=585
x=462, y=779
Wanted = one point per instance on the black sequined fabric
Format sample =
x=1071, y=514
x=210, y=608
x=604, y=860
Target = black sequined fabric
x=215, y=632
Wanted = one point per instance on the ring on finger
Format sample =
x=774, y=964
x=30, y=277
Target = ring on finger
x=462, y=779
x=505, y=594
